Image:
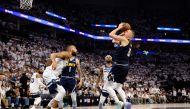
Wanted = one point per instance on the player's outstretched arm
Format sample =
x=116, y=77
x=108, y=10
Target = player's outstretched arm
x=39, y=79
x=100, y=76
x=62, y=55
x=81, y=74
x=123, y=27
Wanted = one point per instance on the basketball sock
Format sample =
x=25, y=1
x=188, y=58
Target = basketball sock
x=122, y=94
x=102, y=99
x=74, y=100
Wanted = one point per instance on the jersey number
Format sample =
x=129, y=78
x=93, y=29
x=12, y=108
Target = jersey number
x=129, y=52
x=69, y=69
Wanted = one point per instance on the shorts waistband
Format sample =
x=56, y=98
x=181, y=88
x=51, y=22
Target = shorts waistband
x=121, y=64
x=68, y=77
x=52, y=81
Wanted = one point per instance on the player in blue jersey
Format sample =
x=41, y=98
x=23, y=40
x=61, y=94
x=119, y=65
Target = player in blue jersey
x=68, y=76
x=120, y=63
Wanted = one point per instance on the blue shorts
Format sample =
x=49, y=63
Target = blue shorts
x=119, y=73
x=53, y=88
x=69, y=84
x=35, y=95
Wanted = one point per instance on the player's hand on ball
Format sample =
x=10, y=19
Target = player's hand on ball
x=124, y=26
x=121, y=25
x=54, y=65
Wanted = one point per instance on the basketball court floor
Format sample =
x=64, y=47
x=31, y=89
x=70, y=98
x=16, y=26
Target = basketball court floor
x=147, y=106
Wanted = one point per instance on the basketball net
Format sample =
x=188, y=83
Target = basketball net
x=26, y=4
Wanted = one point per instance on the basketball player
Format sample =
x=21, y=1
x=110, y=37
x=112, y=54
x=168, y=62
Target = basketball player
x=121, y=63
x=60, y=64
x=52, y=82
x=104, y=72
x=68, y=76
x=35, y=85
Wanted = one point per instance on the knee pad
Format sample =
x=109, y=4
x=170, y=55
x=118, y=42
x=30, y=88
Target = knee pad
x=105, y=94
x=127, y=105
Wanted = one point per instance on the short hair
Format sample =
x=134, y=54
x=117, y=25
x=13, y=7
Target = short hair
x=48, y=62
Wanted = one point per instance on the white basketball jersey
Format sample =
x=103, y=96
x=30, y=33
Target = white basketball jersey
x=60, y=65
x=49, y=75
x=106, y=71
x=34, y=85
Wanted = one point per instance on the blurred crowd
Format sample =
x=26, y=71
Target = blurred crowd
x=158, y=79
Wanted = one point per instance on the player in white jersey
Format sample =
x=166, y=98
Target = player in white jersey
x=60, y=65
x=104, y=72
x=35, y=85
x=52, y=82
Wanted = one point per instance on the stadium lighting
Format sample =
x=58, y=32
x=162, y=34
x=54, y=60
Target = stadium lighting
x=168, y=29
x=51, y=24
x=104, y=25
x=55, y=15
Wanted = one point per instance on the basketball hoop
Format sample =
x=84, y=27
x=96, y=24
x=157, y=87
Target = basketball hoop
x=26, y=4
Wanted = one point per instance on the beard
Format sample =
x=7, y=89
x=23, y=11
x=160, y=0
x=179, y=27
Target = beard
x=74, y=54
x=108, y=61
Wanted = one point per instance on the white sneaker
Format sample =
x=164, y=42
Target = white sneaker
x=127, y=105
x=119, y=105
x=33, y=107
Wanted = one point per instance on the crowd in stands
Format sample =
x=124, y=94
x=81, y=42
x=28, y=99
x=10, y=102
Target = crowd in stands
x=159, y=81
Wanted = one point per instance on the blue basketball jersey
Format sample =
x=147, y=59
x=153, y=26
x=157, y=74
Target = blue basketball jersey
x=122, y=54
x=70, y=69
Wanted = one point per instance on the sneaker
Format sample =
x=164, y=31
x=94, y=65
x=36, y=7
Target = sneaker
x=100, y=106
x=127, y=105
x=33, y=107
x=119, y=105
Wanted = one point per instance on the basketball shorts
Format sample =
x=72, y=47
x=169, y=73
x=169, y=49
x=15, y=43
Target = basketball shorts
x=119, y=73
x=69, y=84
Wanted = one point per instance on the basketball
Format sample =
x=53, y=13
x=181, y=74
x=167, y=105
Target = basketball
x=126, y=26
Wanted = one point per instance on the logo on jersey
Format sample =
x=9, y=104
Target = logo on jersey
x=71, y=65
